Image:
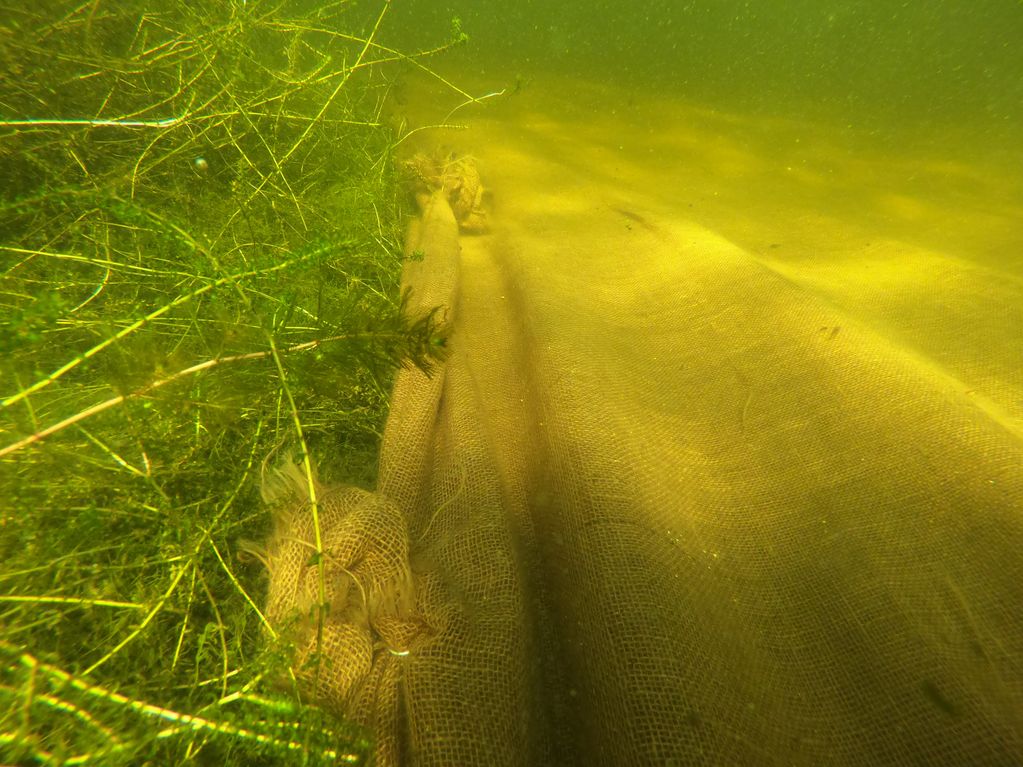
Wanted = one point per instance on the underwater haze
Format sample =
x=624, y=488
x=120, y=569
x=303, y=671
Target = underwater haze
x=672, y=348
x=875, y=64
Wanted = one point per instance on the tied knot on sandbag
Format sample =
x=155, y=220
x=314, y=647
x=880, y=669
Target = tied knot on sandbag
x=368, y=613
x=459, y=178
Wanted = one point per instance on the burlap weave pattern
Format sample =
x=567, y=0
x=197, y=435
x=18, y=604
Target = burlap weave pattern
x=664, y=505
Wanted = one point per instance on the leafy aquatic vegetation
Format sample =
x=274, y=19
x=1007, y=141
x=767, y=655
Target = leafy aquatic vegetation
x=199, y=259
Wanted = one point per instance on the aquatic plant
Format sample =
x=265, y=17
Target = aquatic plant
x=199, y=257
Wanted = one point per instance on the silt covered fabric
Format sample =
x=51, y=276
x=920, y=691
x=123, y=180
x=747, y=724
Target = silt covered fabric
x=663, y=504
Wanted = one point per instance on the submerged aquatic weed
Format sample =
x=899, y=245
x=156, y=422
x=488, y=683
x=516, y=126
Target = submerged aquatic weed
x=198, y=263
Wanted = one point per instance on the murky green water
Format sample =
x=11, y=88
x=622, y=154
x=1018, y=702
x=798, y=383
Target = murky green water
x=900, y=71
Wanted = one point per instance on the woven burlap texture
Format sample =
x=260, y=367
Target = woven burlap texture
x=661, y=505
